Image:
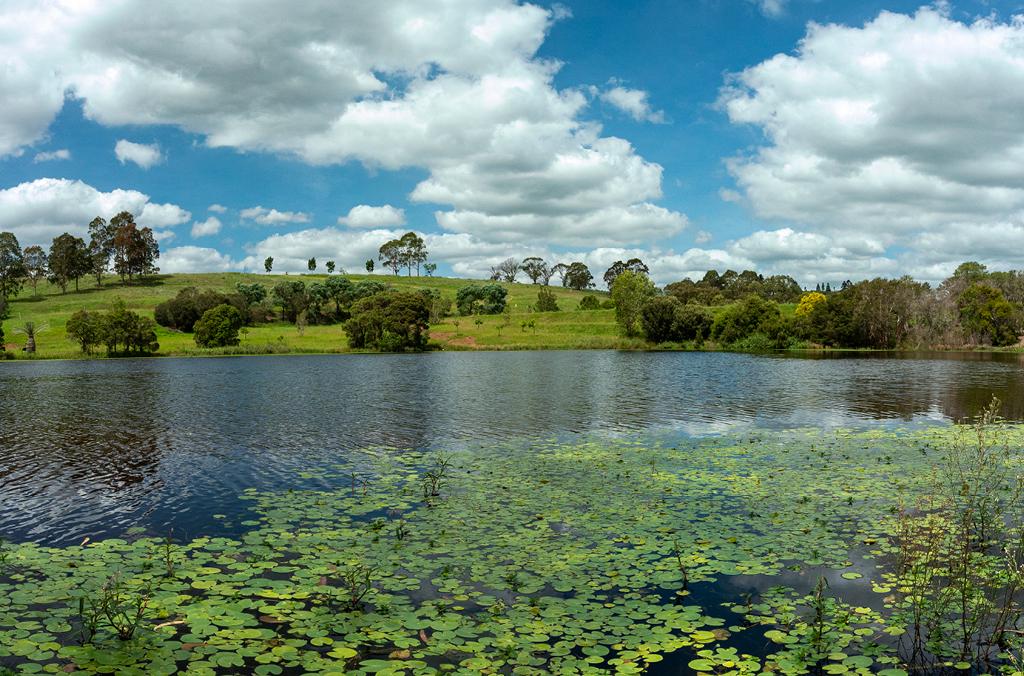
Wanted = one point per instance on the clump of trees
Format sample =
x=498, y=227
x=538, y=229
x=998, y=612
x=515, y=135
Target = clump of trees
x=184, y=310
x=630, y=292
x=730, y=286
x=571, y=275
x=392, y=321
x=407, y=251
x=120, y=330
x=481, y=299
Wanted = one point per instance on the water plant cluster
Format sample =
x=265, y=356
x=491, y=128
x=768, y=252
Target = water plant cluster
x=758, y=552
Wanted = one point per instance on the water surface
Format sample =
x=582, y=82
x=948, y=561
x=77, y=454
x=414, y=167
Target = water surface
x=92, y=448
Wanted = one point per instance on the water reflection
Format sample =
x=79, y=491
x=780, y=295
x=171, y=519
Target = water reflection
x=90, y=448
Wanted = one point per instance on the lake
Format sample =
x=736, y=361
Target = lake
x=92, y=448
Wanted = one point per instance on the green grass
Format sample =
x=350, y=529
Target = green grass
x=566, y=329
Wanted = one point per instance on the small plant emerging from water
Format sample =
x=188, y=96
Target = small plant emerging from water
x=435, y=477
x=121, y=608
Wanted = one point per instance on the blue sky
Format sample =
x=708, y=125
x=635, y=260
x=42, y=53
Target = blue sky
x=715, y=133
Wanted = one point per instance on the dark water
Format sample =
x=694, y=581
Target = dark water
x=93, y=448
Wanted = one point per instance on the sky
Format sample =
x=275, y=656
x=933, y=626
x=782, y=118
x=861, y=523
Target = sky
x=822, y=139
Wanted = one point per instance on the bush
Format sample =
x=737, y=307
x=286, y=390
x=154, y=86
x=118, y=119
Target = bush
x=658, y=319
x=546, y=301
x=219, y=327
x=393, y=322
x=481, y=299
x=590, y=303
x=692, y=323
x=608, y=304
x=751, y=315
x=86, y=329
x=185, y=309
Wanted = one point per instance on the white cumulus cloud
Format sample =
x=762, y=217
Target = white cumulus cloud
x=145, y=155
x=62, y=154
x=265, y=216
x=196, y=259
x=633, y=102
x=37, y=211
x=211, y=226
x=366, y=216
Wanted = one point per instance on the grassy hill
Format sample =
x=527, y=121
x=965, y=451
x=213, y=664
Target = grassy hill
x=566, y=329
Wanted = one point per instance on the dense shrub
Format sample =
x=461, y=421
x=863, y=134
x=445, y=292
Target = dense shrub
x=185, y=309
x=481, y=299
x=751, y=315
x=590, y=303
x=393, y=321
x=658, y=318
x=692, y=323
x=546, y=301
x=219, y=327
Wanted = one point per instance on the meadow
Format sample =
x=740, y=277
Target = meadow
x=569, y=328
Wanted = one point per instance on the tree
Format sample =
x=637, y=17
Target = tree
x=618, y=267
x=988, y=316
x=30, y=330
x=630, y=291
x=369, y=265
x=268, y=264
x=483, y=299
x=35, y=266
x=12, y=266
x=330, y=267
x=122, y=328
x=808, y=301
x=393, y=322
x=558, y=269
x=135, y=249
x=185, y=309
x=413, y=251
x=391, y=255
x=535, y=268
x=311, y=264
x=69, y=260
x=430, y=269
x=293, y=299
x=101, y=248
x=218, y=327
x=546, y=301
x=86, y=329
x=253, y=294
x=577, y=276
x=507, y=269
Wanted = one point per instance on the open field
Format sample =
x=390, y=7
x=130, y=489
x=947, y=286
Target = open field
x=566, y=329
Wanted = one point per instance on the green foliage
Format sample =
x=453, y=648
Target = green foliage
x=218, y=327
x=719, y=289
x=692, y=323
x=268, y=264
x=749, y=316
x=184, y=310
x=546, y=301
x=535, y=268
x=577, y=276
x=482, y=299
x=12, y=266
x=407, y=251
x=135, y=249
x=658, y=318
x=311, y=264
x=634, y=265
x=86, y=329
x=68, y=261
x=590, y=302
x=393, y=321
x=126, y=332
x=331, y=265
x=988, y=316
x=630, y=291
x=253, y=294
x=292, y=297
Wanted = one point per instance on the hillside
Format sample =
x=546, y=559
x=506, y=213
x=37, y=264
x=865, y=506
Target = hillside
x=566, y=329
